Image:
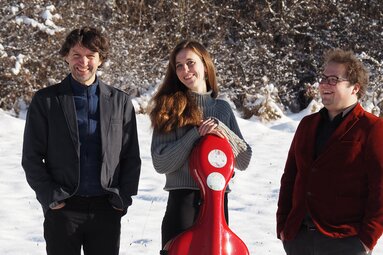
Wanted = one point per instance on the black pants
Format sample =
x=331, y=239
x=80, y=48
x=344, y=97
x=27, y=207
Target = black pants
x=89, y=222
x=181, y=212
x=312, y=242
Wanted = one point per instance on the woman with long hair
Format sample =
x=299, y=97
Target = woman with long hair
x=184, y=109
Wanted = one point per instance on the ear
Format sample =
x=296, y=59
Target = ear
x=356, y=89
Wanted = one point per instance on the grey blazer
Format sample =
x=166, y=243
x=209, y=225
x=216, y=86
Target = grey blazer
x=51, y=149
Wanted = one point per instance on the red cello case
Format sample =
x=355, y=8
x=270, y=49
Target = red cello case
x=211, y=164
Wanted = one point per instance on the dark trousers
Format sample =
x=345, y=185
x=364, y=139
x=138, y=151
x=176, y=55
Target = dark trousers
x=182, y=211
x=312, y=242
x=88, y=222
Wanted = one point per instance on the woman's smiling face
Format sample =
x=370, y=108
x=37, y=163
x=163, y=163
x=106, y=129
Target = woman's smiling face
x=191, y=71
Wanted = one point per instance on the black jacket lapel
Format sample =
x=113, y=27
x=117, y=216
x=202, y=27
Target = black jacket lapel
x=105, y=114
x=65, y=97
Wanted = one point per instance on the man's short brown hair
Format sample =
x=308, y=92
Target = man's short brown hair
x=355, y=70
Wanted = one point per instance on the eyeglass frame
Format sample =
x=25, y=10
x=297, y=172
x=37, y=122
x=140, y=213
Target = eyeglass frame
x=324, y=79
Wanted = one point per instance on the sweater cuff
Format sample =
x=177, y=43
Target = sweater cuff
x=237, y=144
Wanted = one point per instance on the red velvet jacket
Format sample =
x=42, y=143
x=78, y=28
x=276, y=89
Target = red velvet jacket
x=342, y=188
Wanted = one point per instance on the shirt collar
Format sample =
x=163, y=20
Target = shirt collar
x=79, y=88
x=324, y=112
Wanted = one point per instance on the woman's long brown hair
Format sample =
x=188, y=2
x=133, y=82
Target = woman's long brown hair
x=173, y=106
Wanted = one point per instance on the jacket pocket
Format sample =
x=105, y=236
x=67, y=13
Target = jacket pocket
x=348, y=210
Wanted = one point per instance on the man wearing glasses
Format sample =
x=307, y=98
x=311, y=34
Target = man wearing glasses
x=331, y=195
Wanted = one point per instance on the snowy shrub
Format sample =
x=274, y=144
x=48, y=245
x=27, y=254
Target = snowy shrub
x=265, y=105
x=249, y=40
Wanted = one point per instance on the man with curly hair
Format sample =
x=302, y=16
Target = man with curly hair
x=331, y=195
x=80, y=152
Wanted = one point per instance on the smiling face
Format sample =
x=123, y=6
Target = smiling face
x=83, y=64
x=336, y=98
x=191, y=70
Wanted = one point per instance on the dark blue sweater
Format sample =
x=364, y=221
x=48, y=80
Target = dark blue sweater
x=86, y=99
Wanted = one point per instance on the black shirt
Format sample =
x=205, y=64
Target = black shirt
x=86, y=99
x=327, y=127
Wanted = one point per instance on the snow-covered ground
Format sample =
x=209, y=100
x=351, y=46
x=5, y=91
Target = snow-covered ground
x=252, y=202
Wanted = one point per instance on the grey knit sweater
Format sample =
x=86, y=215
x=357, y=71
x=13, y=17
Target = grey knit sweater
x=170, y=151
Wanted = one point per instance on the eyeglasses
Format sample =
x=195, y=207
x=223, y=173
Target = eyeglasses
x=330, y=80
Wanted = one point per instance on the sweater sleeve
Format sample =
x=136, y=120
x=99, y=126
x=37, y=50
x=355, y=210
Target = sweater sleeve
x=229, y=126
x=242, y=151
x=169, y=151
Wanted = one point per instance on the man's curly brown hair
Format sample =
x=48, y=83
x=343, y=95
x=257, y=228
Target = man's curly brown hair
x=355, y=70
